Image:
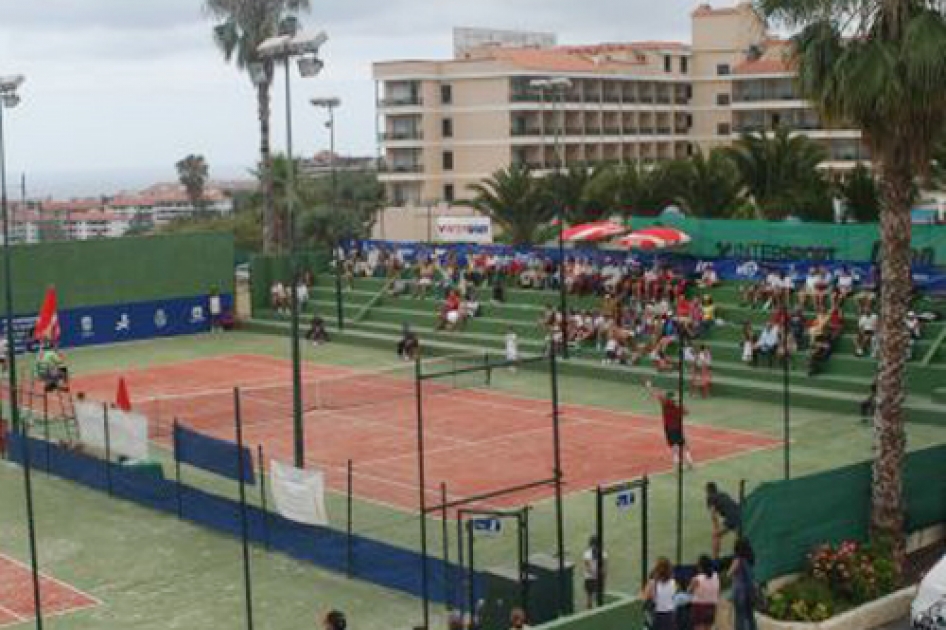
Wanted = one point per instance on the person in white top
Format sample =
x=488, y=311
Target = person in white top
x=659, y=592
x=866, y=331
x=215, y=306
x=705, y=590
x=512, y=348
x=595, y=575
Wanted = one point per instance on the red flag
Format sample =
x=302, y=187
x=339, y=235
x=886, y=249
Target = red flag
x=122, y=399
x=47, y=326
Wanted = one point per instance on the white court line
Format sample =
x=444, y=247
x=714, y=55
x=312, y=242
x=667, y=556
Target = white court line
x=17, y=618
x=50, y=578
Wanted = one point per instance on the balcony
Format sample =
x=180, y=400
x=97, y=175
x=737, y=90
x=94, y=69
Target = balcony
x=520, y=132
x=410, y=134
x=646, y=131
x=525, y=97
x=412, y=100
x=757, y=97
x=612, y=131
x=664, y=131
x=400, y=168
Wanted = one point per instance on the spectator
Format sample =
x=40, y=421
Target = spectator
x=709, y=278
x=844, y=287
x=725, y=514
x=408, y=348
x=748, y=343
x=821, y=350
x=451, y=315
x=659, y=592
x=215, y=307
x=866, y=331
x=335, y=620
x=797, y=327
x=278, y=298
x=767, y=345
x=705, y=590
x=317, y=331
x=517, y=619
x=744, y=589
x=595, y=575
x=704, y=371
x=512, y=348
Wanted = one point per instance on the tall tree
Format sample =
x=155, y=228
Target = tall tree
x=633, y=188
x=880, y=64
x=241, y=26
x=567, y=192
x=513, y=198
x=860, y=195
x=192, y=172
x=708, y=186
x=779, y=171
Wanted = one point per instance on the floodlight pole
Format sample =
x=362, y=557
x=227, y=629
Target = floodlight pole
x=283, y=49
x=8, y=98
x=330, y=104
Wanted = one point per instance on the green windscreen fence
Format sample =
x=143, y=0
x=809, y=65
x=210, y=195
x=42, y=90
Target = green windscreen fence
x=266, y=270
x=122, y=271
x=786, y=520
x=777, y=241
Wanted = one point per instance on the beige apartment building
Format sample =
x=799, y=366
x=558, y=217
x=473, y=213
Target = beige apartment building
x=444, y=125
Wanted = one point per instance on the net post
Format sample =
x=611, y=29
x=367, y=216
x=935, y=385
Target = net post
x=244, y=529
x=108, y=448
x=422, y=481
x=471, y=576
x=523, y=560
x=599, y=549
x=349, y=548
x=445, y=535
x=461, y=564
x=261, y=465
x=742, y=504
x=645, y=528
x=559, y=507
x=46, y=435
x=177, y=470
x=487, y=368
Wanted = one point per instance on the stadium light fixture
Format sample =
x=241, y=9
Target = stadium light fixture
x=329, y=104
x=303, y=46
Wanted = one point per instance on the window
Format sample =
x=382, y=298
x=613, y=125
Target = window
x=448, y=193
x=446, y=127
x=684, y=65
x=446, y=94
x=448, y=160
x=722, y=69
x=723, y=129
x=722, y=99
x=668, y=63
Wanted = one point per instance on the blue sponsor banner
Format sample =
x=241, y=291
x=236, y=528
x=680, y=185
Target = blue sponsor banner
x=124, y=322
x=208, y=453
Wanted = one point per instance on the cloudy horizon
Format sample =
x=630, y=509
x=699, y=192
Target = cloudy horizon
x=118, y=91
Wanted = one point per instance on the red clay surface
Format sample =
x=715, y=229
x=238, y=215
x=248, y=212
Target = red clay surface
x=16, y=595
x=476, y=440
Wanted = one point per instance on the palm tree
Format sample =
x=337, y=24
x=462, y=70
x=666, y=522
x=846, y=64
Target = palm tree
x=192, y=172
x=242, y=25
x=861, y=195
x=637, y=187
x=880, y=64
x=568, y=194
x=708, y=186
x=513, y=198
x=778, y=170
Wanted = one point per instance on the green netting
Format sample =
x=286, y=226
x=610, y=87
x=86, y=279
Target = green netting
x=771, y=240
x=121, y=271
x=265, y=270
x=785, y=520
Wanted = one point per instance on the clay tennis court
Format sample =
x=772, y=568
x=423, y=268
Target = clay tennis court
x=476, y=440
x=16, y=595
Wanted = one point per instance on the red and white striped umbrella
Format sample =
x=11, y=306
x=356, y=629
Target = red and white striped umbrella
x=595, y=231
x=672, y=236
x=645, y=242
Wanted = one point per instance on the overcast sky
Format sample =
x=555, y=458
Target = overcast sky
x=118, y=90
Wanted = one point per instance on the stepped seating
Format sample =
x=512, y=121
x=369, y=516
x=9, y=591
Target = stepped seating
x=843, y=383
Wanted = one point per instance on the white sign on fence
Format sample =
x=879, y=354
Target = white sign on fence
x=464, y=230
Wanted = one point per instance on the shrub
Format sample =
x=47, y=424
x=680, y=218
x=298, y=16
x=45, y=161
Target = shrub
x=837, y=578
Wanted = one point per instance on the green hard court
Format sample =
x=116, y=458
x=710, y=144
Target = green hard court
x=152, y=571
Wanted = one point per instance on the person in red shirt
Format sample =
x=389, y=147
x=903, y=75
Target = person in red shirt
x=672, y=413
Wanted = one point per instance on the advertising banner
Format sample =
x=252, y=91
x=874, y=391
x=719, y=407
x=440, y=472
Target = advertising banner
x=464, y=230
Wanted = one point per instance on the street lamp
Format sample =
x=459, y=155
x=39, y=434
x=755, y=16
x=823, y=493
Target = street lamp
x=557, y=88
x=8, y=100
x=304, y=47
x=330, y=104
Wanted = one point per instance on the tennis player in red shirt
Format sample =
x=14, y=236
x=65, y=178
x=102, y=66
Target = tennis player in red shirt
x=673, y=413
